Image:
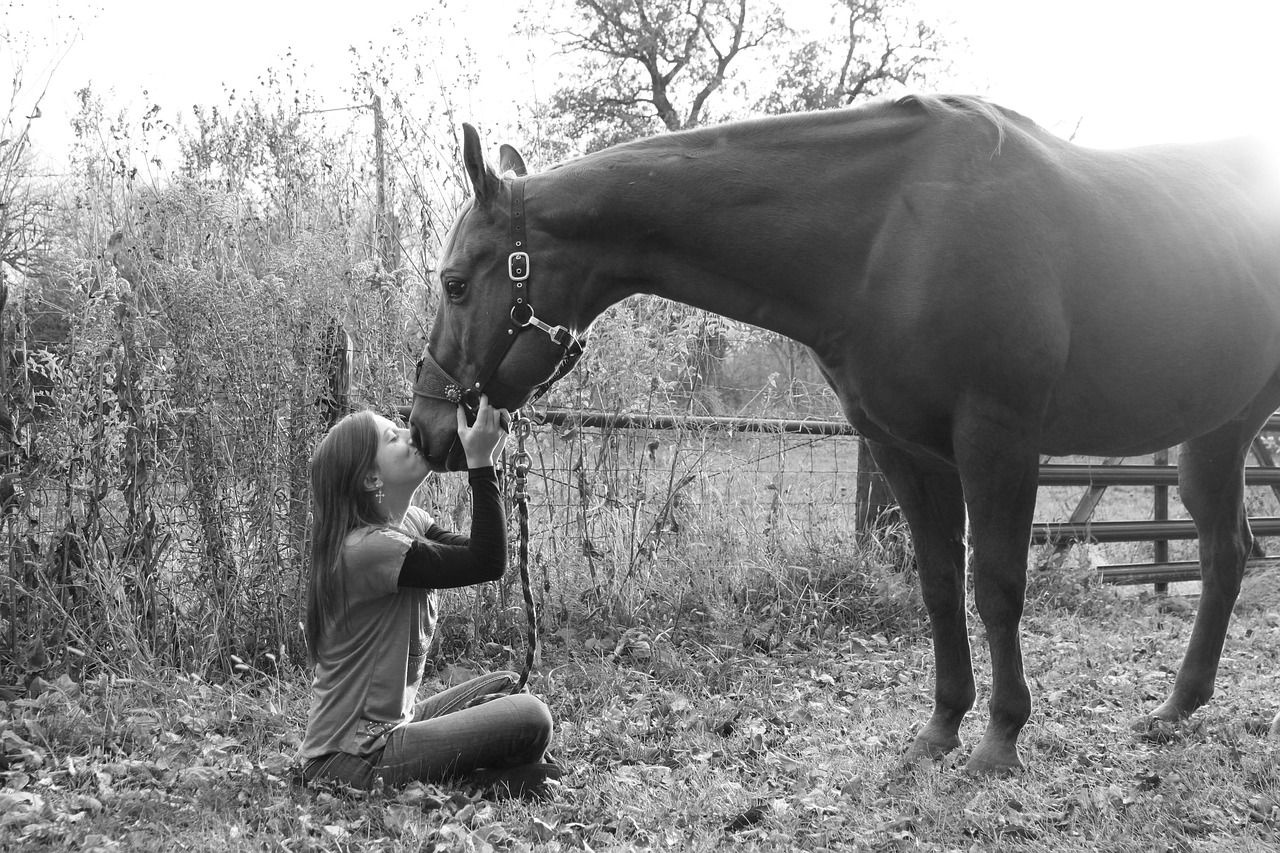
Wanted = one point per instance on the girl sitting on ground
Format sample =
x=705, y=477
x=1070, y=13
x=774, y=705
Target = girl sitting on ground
x=376, y=566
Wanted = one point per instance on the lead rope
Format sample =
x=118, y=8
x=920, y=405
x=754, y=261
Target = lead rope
x=521, y=427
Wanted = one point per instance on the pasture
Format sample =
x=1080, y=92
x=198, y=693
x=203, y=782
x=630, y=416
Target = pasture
x=678, y=736
x=727, y=671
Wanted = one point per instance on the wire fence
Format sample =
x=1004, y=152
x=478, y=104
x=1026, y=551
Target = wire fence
x=624, y=511
x=700, y=487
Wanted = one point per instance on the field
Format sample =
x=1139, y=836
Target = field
x=685, y=737
x=713, y=689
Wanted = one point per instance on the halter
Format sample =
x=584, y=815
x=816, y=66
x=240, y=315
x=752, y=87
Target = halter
x=434, y=381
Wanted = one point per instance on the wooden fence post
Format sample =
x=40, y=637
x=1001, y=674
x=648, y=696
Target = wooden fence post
x=1160, y=512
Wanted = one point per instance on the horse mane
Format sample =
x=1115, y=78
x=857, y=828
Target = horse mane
x=940, y=107
x=970, y=106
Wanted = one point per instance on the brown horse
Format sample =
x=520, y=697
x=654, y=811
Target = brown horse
x=977, y=291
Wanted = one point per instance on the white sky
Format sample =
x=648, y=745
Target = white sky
x=1128, y=71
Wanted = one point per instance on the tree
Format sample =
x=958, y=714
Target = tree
x=650, y=65
x=881, y=46
x=643, y=66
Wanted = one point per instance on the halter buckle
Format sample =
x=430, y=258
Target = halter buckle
x=518, y=266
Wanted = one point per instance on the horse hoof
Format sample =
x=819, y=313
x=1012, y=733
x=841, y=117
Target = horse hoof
x=989, y=769
x=926, y=752
x=994, y=761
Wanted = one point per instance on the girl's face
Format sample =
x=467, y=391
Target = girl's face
x=398, y=462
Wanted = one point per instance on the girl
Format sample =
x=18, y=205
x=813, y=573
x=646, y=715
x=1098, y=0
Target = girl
x=376, y=564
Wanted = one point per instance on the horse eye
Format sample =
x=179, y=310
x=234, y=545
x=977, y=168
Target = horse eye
x=455, y=288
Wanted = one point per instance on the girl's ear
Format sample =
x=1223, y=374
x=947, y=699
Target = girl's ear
x=372, y=481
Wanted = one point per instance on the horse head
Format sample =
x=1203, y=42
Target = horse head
x=496, y=331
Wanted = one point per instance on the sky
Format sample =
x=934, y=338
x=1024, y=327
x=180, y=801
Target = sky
x=1111, y=72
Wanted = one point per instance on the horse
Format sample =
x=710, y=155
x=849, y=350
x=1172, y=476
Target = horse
x=977, y=291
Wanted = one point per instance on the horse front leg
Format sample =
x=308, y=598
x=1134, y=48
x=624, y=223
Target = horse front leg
x=999, y=466
x=933, y=504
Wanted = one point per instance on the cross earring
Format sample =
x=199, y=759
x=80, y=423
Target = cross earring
x=378, y=494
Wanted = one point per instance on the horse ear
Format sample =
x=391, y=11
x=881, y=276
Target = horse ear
x=483, y=180
x=509, y=160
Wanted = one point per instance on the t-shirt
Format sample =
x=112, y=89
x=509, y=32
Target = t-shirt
x=369, y=665
x=367, y=676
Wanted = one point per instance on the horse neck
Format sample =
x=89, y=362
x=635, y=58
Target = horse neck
x=737, y=225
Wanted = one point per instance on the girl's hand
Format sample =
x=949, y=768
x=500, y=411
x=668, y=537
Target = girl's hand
x=485, y=437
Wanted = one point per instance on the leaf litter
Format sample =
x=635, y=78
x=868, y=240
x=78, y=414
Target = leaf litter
x=692, y=743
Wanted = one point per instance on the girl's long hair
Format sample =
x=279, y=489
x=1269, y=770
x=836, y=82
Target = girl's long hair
x=341, y=503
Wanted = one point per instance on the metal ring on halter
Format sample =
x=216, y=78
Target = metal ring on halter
x=526, y=318
x=522, y=314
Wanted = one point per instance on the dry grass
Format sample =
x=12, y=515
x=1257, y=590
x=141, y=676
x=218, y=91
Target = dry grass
x=691, y=737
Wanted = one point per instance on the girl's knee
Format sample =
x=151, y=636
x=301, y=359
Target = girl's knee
x=534, y=710
x=535, y=717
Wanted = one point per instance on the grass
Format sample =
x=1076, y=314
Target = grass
x=709, y=697
x=698, y=736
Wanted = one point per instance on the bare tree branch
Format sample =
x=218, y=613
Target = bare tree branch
x=657, y=63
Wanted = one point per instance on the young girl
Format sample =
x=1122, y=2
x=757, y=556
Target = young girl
x=376, y=564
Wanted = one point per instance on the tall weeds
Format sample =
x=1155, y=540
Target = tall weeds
x=174, y=351
x=169, y=404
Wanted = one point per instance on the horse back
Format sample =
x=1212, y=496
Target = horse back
x=1129, y=299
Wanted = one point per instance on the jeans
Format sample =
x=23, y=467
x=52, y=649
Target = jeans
x=447, y=739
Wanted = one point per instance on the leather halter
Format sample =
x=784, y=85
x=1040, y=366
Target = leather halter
x=434, y=381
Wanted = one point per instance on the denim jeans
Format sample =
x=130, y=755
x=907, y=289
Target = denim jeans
x=448, y=739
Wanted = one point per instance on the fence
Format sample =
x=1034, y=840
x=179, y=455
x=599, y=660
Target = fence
x=1079, y=528
x=618, y=489
x=1160, y=530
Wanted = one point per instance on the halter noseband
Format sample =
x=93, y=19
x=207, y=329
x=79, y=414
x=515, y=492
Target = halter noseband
x=434, y=381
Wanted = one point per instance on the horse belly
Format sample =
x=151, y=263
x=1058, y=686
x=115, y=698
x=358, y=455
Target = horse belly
x=1174, y=312
x=1134, y=403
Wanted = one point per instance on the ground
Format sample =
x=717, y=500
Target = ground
x=1261, y=591
x=698, y=737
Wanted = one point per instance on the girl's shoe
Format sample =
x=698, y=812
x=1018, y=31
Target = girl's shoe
x=528, y=781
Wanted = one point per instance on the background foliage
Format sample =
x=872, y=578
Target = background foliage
x=179, y=334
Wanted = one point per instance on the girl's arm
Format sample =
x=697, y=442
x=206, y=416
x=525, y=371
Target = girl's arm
x=436, y=533
x=479, y=558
